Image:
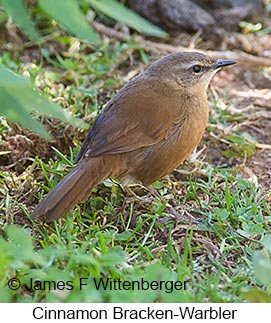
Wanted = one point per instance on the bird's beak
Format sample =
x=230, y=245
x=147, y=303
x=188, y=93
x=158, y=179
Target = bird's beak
x=224, y=62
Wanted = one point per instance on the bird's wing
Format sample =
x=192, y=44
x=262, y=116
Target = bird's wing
x=134, y=118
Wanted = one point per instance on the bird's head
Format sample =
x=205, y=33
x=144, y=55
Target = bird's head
x=190, y=71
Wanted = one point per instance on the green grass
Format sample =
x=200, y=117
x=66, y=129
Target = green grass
x=209, y=228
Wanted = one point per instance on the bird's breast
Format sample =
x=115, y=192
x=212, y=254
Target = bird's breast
x=157, y=160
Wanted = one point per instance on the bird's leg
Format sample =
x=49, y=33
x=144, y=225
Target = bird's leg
x=130, y=191
x=183, y=215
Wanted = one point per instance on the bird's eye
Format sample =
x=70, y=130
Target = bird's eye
x=196, y=68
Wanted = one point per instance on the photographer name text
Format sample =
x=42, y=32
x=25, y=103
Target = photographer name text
x=141, y=284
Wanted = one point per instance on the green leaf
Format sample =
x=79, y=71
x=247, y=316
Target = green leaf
x=10, y=79
x=14, y=111
x=267, y=242
x=20, y=238
x=256, y=295
x=262, y=267
x=119, y=12
x=18, y=99
x=18, y=11
x=68, y=15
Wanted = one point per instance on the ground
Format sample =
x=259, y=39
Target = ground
x=204, y=221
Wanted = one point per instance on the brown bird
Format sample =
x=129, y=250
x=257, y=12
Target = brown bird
x=145, y=131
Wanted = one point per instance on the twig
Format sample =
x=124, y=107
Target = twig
x=258, y=144
x=241, y=57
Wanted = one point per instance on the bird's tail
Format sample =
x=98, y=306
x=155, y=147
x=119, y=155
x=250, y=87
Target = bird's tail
x=75, y=187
